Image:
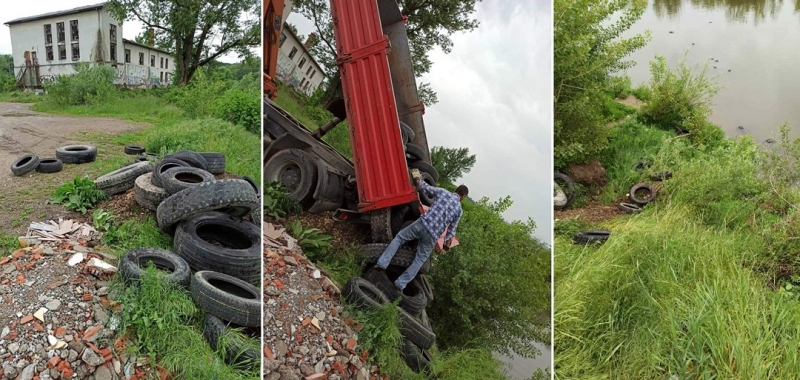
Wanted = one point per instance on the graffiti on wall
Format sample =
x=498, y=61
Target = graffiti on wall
x=47, y=78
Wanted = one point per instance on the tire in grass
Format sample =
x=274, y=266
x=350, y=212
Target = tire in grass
x=76, y=154
x=177, y=179
x=591, y=237
x=227, y=297
x=415, y=152
x=370, y=253
x=415, y=331
x=133, y=264
x=362, y=294
x=642, y=200
x=122, y=179
x=417, y=359
x=146, y=194
x=49, y=165
x=234, y=349
x=191, y=158
x=25, y=164
x=412, y=299
x=561, y=178
x=629, y=208
x=663, y=176
x=218, y=242
x=215, y=160
x=134, y=149
x=164, y=165
x=232, y=196
x=425, y=167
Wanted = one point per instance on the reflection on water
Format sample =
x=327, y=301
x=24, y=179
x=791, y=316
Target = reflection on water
x=752, y=48
x=523, y=368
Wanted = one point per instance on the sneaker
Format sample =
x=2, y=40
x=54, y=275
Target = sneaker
x=399, y=289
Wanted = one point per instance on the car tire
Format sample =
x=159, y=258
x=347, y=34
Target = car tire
x=50, y=165
x=363, y=294
x=227, y=297
x=591, y=237
x=641, y=201
x=412, y=299
x=370, y=253
x=134, y=149
x=417, y=359
x=416, y=332
x=133, y=264
x=629, y=208
x=177, y=179
x=122, y=179
x=425, y=167
x=235, y=352
x=146, y=194
x=406, y=133
x=414, y=152
x=232, y=196
x=216, y=162
x=76, y=154
x=570, y=188
x=191, y=158
x=163, y=166
x=25, y=164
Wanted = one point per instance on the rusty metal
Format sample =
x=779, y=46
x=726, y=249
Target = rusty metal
x=270, y=40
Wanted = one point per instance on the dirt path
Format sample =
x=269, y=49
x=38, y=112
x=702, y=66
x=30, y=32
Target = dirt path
x=23, y=199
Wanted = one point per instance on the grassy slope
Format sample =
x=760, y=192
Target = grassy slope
x=177, y=341
x=682, y=288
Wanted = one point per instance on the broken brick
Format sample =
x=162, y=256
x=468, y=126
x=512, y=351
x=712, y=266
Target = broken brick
x=90, y=331
x=306, y=321
x=351, y=344
x=299, y=339
x=26, y=319
x=38, y=326
x=5, y=260
x=278, y=283
x=66, y=373
x=316, y=376
x=87, y=297
x=268, y=353
x=59, y=333
x=53, y=362
x=20, y=279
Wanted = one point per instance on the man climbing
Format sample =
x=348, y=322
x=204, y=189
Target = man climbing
x=445, y=212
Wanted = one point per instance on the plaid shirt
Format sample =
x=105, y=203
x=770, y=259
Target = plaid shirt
x=445, y=210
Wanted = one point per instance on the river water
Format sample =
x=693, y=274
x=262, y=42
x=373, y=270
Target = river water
x=523, y=368
x=755, y=45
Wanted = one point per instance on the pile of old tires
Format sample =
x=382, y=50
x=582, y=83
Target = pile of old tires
x=69, y=154
x=415, y=159
x=376, y=288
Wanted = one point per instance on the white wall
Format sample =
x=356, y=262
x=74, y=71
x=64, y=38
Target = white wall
x=288, y=70
x=135, y=75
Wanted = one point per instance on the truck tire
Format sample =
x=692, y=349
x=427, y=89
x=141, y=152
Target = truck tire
x=76, y=154
x=362, y=294
x=253, y=184
x=50, y=165
x=424, y=198
x=133, y=265
x=25, y=164
x=146, y=194
x=380, y=224
x=629, y=208
x=221, y=243
x=426, y=288
x=215, y=160
x=296, y=171
x=406, y=132
x=134, y=149
x=177, y=179
x=232, y=196
x=590, y=237
x=122, y=179
x=425, y=167
x=417, y=359
x=370, y=253
x=412, y=299
x=163, y=166
x=235, y=351
x=227, y=297
x=416, y=332
x=191, y=158
x=415, y=153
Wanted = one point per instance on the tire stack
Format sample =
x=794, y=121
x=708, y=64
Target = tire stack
x=69, y=154
x=376, y=288
x=414, y=159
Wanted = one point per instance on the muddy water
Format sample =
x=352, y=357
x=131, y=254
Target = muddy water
x=522, y=368
x=755, y=45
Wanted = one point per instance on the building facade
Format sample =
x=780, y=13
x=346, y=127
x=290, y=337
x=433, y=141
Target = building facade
x=296, y=67
x=52, y=44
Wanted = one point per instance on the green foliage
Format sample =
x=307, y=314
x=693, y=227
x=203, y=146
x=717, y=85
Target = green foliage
x=89, y=85
x=451, y=163
x=103, y=220
x=190, y=30
x=241, y=108
x=167, y=327
x=277, y=202
x=312, y=240
x=7, y=76
x=682, y=98
x=78, y=195
x=588, y=49
x=492, y=290
x=133, y=234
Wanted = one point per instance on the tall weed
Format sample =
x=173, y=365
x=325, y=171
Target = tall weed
x=90, y=85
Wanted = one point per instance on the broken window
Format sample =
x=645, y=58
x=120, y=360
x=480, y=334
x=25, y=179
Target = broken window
x=60, y=33
x=62, y=52
x=76, y=52
x=162, y=63
x=48, y=34
x=73, y=30
x=127, y=55
x=293, y=52
x=49, y=50
x=152, y=61
x=141, y=59
x=113, y=32
x=302, y=62
x=113, y=52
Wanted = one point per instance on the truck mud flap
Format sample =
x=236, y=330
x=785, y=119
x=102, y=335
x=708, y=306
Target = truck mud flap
x=329, y=194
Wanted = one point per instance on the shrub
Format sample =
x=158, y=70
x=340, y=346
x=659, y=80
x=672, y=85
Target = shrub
x=78, y=195
x=89, y=85
x=240, y=107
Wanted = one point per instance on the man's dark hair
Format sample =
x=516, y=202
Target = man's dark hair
x=462, y=190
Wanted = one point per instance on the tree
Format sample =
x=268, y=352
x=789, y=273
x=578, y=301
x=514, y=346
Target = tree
x=430, y=24
x=197, y=31
x=587, y=50
x=7, y=76
x=451, y=163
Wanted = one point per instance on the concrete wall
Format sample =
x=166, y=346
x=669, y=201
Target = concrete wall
x=288, y=69
x=132, y=74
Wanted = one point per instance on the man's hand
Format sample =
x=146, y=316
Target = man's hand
x=439, y=250
x=447, y=244
x=416, y=175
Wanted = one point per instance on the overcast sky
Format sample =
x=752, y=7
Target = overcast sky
x=495, y=97
x=11, y=10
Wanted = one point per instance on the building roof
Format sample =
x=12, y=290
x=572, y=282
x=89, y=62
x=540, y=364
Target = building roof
x=302, y=45
x=84, y=8
x=126, y=41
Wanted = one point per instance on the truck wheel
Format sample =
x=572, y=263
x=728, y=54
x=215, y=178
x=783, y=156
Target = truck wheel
x=425, y=167
x=296, y=171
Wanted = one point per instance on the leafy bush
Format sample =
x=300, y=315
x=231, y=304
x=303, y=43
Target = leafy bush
x=277, y=202
x=492, y=290
x=241, y=108
x=682, y=98
x=312, y=240
x=90, y=85
x=78, y=195
x=103, y=220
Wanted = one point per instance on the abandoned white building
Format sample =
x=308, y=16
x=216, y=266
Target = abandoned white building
x=296, y=67
x=52, y=44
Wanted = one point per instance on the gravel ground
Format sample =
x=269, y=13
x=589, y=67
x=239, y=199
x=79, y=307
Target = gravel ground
x=305, y=332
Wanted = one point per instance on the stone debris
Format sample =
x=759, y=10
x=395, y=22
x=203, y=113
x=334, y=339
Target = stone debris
x=306, y=334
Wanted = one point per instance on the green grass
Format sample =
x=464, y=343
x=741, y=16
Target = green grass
x=167, y=326
x=132, y=234
x=20, y=97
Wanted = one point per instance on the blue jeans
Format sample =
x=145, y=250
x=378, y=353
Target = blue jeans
x=424, y=248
